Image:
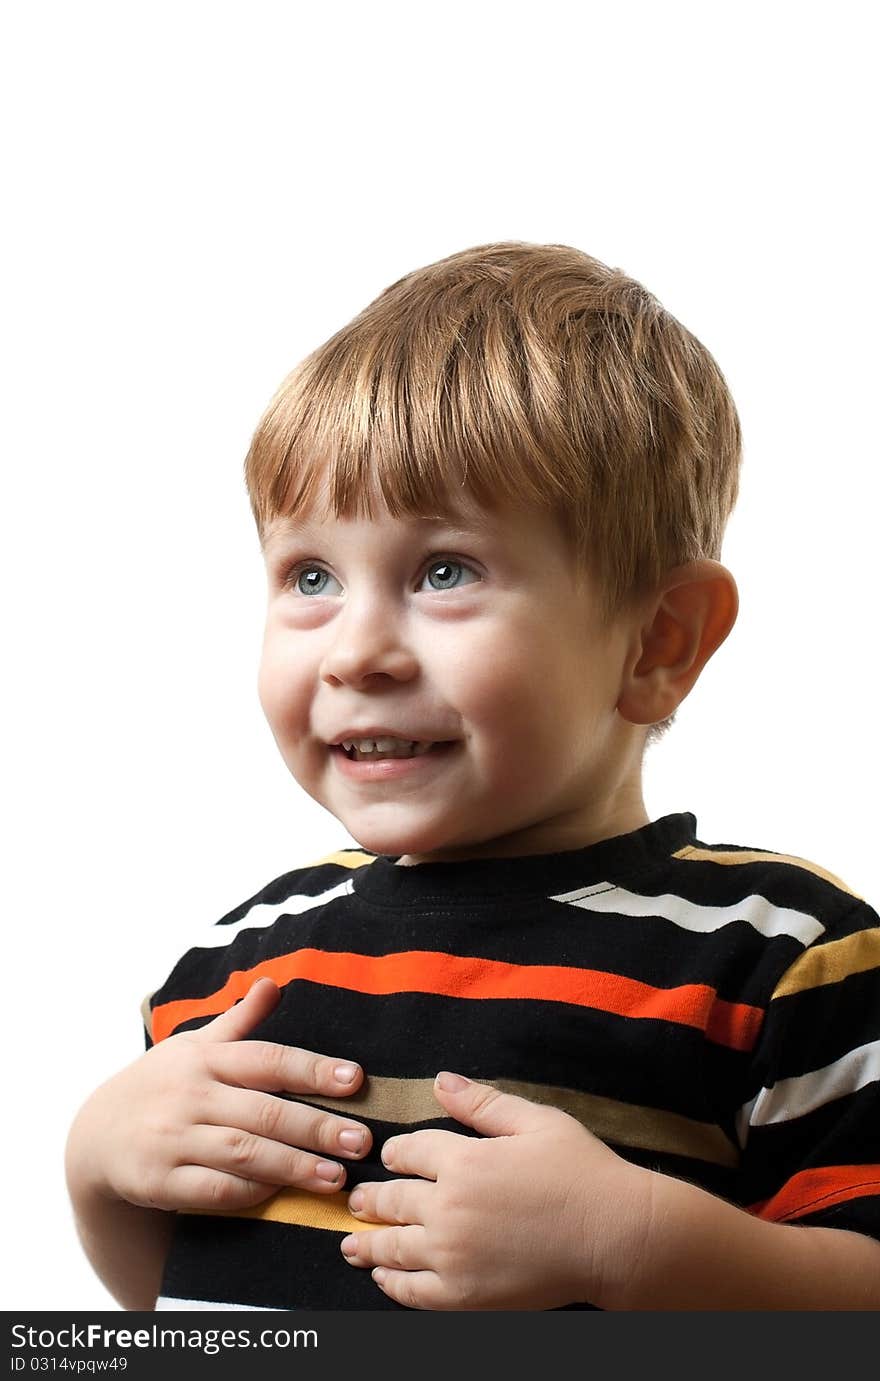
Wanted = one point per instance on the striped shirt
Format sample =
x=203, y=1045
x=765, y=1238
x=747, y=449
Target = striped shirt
x=710, y=1011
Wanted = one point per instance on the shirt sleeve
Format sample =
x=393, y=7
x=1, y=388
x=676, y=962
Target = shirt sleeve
x=810, y=1129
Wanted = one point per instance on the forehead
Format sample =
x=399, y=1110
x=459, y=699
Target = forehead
x=463, y=516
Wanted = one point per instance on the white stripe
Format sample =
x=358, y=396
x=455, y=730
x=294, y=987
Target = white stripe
x=184, y=1305
x=789, y=1099
x=266, y=914
x=755, y=910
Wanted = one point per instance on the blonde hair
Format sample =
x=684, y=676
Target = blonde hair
x=516, y=370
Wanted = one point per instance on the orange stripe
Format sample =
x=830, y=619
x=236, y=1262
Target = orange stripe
x=811, y=1190
x=451, y=975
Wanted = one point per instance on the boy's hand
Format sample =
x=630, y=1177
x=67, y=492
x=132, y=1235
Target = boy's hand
x=537, y=1215
x=193, y=1123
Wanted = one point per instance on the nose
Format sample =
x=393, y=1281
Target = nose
x=367, y=642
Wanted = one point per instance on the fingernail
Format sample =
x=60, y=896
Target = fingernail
x=348, y=1246
x=452, y=1083
x=326, y=1170
x=352, y=1139
x=355, y=1200
x=345, y=1074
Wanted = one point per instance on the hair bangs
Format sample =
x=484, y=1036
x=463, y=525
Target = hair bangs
x=412, y=420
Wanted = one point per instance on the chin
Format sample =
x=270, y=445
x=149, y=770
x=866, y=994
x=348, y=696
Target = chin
x=388, y=840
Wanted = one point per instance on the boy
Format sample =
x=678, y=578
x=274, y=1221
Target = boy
x=492, y=509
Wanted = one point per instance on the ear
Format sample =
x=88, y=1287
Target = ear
x=680, y=626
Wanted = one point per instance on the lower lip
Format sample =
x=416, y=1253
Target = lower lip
x=389, y=769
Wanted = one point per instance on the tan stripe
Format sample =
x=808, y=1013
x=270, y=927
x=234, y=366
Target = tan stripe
x=352, y=860
x=693, y=854
x=830, y=963
x=412, y=1100
x=147, y=1014
x=627, y=1124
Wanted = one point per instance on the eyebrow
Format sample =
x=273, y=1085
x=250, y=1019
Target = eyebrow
x=291, y=530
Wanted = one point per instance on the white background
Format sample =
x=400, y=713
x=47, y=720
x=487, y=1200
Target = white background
x=196, y=196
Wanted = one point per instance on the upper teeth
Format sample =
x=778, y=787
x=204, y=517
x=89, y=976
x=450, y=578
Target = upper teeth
x=381, y=745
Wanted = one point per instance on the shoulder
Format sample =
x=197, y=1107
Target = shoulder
x=814, y=899
x=297, y=890
x=290, y=894
x=787, y=866
x=762, y=911
x=251, y=936
x=818, y=931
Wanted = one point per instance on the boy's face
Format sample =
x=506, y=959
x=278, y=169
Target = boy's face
x=475, y=632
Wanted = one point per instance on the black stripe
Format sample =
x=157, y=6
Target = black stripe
x=414, y=1035
x=812, y=1028
x=851, y=1125
x=781, y=884
x=741, y=964
x=275, y=1265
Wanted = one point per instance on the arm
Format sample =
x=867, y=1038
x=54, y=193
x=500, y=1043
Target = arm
x=703, y=1253
x=539, y=1213
x=126, y=1245
x=193, y=1125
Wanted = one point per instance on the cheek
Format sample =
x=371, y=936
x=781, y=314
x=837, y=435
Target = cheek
x=505, y=707
x=281, y=688
x=264, y=689
x=531, y=709
x=507, y=685
x=268, y=684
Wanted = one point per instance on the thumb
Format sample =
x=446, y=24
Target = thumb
x=487, y=1109
x=260, y=999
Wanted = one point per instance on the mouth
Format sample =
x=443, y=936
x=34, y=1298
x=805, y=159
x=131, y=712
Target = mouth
x=383, y=749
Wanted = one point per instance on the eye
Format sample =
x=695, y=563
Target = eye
x=443, y=574
x=306, y=578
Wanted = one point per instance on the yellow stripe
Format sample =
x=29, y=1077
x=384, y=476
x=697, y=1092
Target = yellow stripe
x=412, y=1100
x=737, y=856
x=303, y=1209
x=346, y=860
x=830, y=963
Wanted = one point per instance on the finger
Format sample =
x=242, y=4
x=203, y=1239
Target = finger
x=398, y=1202
x=421, y=1152
x=487, y=1109
x=413, y=1289
x=275, y=1068
x=404, y=1248
x=258, y=1002
x=197, y=1187
x=285, y=1122
x=256, y=1160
